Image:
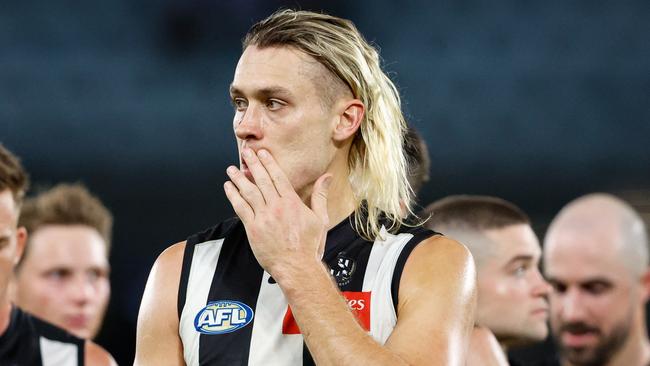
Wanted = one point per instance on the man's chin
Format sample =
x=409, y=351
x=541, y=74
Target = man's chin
x=582, y=356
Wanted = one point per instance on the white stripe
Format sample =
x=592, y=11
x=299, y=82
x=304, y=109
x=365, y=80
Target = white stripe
x=377, y=253
x=55, y=353
x=382, y=311
x=268, y=345
x=204, y=263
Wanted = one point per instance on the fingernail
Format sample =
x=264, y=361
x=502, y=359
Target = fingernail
x=263, y=154
x=247, y=153
x=231, y=170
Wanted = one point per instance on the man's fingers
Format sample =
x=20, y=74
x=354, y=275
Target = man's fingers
x=260, y=175
x=239, y=204
x=280, y=180
x=247, y=190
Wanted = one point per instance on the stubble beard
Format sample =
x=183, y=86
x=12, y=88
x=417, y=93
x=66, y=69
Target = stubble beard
x=602, y=352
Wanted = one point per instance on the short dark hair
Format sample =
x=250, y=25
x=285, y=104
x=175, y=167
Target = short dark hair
x=473, y=212
x=12, y=175
x=67, y=204
x=417, y=159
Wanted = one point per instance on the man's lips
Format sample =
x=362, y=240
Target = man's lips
x=578, y=335
x=78, y=321
x=577, y=340
x=543, y=312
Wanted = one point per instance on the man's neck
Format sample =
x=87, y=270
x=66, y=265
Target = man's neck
x=340, y=201
x=5, y=316
x=340, y=196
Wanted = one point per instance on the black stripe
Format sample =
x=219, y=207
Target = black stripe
x=344, y=243
x=238, y=277
x=419, y=234
x=81, y=355
x=213, y=233
x=188, y=254
x=307, y=360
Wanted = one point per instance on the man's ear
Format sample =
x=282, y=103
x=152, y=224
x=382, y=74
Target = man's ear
x=21, y=240
x=645, y=283
x=349, y=120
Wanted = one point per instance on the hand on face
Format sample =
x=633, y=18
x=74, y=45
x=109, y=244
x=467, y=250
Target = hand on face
x=282, y=231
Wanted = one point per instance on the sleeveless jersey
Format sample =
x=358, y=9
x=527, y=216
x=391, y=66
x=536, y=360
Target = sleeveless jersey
x=233, y=313
x=29, y=341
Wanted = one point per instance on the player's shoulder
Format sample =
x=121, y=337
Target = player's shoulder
x=173, y=254
x=438, y=262
x=45, y=329
x=216, y=232
x=95, y=355
x=442, y=249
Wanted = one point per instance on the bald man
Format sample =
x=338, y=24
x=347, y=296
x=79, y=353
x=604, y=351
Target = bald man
x=596, y=258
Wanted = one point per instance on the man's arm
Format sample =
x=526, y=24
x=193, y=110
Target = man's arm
x=485, y=350
x=95, y=355
x=437, y=289
x=435, y=311
x=157, y=339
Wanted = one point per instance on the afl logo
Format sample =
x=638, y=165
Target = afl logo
x=223, y=316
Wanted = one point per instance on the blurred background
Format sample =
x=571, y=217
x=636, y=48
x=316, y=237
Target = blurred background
x=535, y=102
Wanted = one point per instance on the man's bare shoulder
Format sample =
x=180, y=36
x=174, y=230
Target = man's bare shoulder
x=95, y=355
x=172, y=254
x=438, y=268
x=165, y=274
x=436, y=303
x=157, y=340
x=441, y=255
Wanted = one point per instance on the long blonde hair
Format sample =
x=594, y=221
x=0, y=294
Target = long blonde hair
x=377, y=164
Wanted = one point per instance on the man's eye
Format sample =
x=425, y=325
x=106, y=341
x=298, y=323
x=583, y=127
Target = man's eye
x=57, y=274
x=273, y=104
x=239, y=104
x=520, y=271
x=96, y=274
x=596, y=288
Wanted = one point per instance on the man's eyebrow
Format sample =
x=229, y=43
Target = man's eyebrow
x=521, y=257
x=264, y=92
x=233, y=90
x=596, y=280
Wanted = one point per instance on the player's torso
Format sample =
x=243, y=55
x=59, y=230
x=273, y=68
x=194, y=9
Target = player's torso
x=29, y=341
x=233, y=313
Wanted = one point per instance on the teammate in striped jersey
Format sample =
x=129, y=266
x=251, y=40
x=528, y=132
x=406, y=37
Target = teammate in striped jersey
x=320, y=236
x=24, y=339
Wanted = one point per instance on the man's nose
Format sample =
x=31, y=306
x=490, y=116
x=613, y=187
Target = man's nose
x=572, y=306
x=540, y=287
x=249, y=127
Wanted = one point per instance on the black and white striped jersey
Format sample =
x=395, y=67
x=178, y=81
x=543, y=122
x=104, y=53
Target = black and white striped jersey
x=29, y=341
x=232, y=313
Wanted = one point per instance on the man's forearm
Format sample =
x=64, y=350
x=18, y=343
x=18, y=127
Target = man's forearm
x=330, y=329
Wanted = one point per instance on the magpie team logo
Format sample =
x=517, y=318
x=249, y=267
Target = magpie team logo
x=224, y=316
x=343, y=270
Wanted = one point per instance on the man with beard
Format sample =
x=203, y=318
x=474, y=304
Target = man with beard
x=596, y=258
